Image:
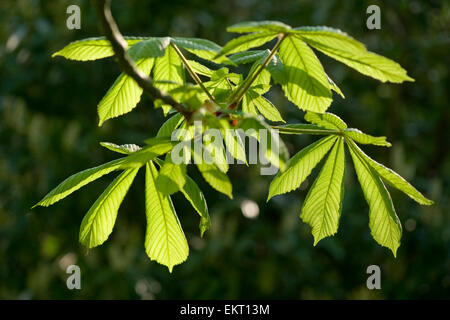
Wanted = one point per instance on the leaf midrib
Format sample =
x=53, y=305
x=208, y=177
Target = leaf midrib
x=163, y=214
x=329, y=185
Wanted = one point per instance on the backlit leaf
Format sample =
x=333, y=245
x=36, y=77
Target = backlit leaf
x=164, y=239
x=98, y=223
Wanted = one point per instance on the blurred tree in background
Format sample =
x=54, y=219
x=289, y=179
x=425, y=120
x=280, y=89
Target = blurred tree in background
x=48, y=130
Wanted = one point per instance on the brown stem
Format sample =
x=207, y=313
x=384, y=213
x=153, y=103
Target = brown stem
x=126, y=64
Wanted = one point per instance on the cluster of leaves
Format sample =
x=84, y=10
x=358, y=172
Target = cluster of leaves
x=224, y=100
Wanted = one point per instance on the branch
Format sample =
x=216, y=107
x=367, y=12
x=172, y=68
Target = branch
x=126, y=64
x=248, y=82
x=192, y=72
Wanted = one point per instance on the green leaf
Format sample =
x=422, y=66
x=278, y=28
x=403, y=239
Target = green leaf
x=332, y=37
x=243, y=43
x=299, y=167
x=220, y=85
x=168, y=68
x=273, y=147
x=253, y=100
x=247, y=56
x=306, y=83
x=212, y=174
x=358, y=58
x=276, y=69
x=202, y=48
x=91, y=48
x=267, y=109
x=78, y=180
x=172, y=177
x=326, y=120
x=257, y=26
x=98, y=223
x=323, y=204
x=384, y=224
x=200, y=69
x=214, y=149
x=124, y=148
x=164, y=239
x=300, y=128
x=335, y=88
x=261, y=84
x=125, y=93
x=247, y=105
x=364, y=138
x=170, y=125
x=393, y=178
x=234, y=143
x=150, y=48
x=155, y=147
x=195, y=196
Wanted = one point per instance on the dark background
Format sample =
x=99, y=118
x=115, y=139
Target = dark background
x=48, y=130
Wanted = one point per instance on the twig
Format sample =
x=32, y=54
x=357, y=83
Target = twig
x=126, y=64
x=241, y=91
x=192, y=72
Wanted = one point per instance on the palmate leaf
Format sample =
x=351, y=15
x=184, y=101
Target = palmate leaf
x=254, y=100
x=247, y=56
x=259, y=26
x=202, y=48
x=300, y=166
x=214, y=150
x=243, y=43
x=247, y=105
x=221, y=83
x=168, y=68
x=326, y=120
x=232, y=137
x=124, y=148
x=80, y=179
x=331, y=121
x=92, y=48
x=212, y=174
x=234, y=144
x=125, y=93
x=392, y=178
x=164, y=239
x=272, y=146
x=300, y=128
x=195, y=196
x=323, y=204
x=335, y=88
x=200, y=68
x=274, y=68
x=384, y=224
x=171, y=177
x=358, y=58
x=306, y=84
x=170, y=125
x=364, y=138
x=332, y=37
x=98, y=223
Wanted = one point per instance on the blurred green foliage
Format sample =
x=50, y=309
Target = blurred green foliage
x=48, y=130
